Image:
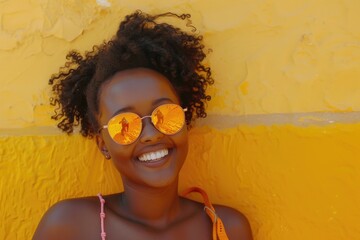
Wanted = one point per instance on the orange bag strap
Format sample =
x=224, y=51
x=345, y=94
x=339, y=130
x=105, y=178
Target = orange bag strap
x=218, y=226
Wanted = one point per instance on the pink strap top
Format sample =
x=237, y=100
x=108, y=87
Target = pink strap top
x=218, y=227
x=102, y=217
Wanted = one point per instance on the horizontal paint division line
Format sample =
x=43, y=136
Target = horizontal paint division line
x=225, y=121
x=30, y=131
x=296, y=119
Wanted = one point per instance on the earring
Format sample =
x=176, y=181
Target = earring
x=106, y=154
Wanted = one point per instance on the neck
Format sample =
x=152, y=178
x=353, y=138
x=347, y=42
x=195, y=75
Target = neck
x=155, y=207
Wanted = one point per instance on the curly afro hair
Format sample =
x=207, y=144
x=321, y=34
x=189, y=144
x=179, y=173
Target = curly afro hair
x=140, y=42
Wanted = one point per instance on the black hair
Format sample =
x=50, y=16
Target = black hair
x=140, y=42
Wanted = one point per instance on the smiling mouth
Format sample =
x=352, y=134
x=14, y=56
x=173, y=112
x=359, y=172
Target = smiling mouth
x=153, y=156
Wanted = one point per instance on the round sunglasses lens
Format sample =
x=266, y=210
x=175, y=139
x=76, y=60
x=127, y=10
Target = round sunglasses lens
x=125, y=128
x=168, y=118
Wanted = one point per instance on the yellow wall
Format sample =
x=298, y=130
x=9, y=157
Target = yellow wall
x=282, y=140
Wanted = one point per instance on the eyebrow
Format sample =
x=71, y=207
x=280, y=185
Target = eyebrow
x=160, y=100
x=154, y=103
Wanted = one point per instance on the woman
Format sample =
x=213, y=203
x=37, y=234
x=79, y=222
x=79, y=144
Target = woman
x=148, y=68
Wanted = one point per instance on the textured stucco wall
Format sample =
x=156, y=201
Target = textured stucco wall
x=282, y=140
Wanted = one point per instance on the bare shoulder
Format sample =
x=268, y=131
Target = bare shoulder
x=65, y=218
x=236, y=224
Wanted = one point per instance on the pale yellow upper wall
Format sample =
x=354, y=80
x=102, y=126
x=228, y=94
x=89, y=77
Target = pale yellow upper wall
x=268, y=56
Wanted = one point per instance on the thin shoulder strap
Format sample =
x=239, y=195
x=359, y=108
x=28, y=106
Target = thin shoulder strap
x=102, y=217
x=218, y=226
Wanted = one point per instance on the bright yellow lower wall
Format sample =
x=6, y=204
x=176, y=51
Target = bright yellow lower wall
x=292, y=182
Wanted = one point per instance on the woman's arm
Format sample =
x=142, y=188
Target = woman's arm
x=60, y=221
x=236, y=224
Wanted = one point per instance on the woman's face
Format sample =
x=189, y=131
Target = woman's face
x=140, y=91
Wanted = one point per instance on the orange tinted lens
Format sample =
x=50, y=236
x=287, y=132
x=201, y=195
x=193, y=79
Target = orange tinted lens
x=125, y=128
x=168, y=118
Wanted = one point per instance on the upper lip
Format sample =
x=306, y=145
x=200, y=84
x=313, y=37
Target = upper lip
x=152, y=148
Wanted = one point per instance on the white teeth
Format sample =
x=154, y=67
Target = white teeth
x=153, y=155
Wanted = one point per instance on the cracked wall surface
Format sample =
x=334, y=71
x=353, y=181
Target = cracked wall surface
x=282, y=140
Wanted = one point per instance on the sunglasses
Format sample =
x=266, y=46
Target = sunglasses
x=125, y=128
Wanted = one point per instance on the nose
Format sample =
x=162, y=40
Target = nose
x=149, y=133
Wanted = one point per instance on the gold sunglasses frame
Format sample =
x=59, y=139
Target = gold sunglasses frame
x=142, y=126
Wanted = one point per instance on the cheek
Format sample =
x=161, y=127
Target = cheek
x=119, y=153
x=121, y=158
x=122, y=153
x=182, y=143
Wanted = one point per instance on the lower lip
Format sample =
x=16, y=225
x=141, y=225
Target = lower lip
x=158, y=162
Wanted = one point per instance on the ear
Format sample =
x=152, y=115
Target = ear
x=102, y=147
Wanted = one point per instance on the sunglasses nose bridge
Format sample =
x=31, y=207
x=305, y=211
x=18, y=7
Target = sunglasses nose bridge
x=143, y=118
x=149, y=131
x=148, y=122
